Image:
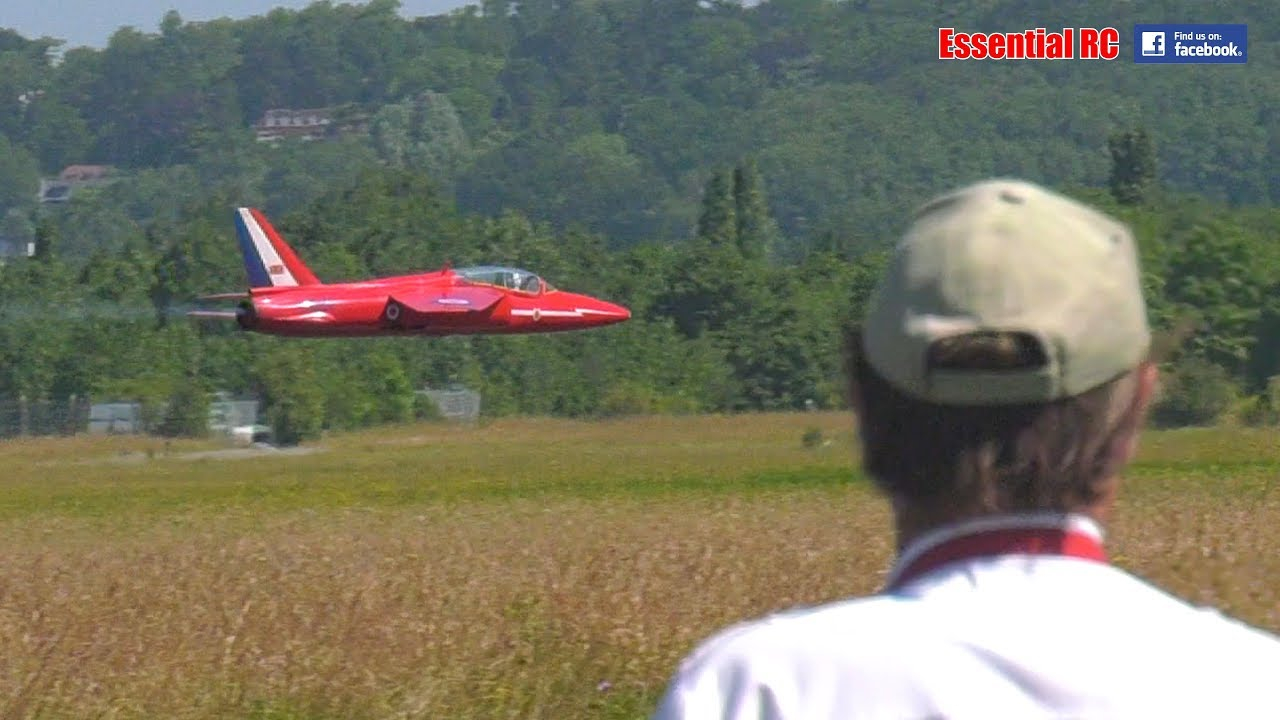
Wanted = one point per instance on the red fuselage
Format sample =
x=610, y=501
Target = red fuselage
x=437, y=303
x=286, y=298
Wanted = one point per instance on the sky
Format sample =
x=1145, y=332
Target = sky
x=91, y=22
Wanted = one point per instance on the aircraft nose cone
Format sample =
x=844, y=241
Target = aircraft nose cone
x=619, y=312
x=594, y=312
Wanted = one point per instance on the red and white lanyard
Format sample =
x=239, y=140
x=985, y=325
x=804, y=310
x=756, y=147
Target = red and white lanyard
x=1063, y=542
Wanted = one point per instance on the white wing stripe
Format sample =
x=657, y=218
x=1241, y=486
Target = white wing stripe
x=576, y=312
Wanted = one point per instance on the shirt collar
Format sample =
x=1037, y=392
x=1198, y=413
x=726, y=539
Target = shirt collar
x=1082, y=528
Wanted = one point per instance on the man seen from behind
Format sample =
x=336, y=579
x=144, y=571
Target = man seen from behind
x=1000, y=380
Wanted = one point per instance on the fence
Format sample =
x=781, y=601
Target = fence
x=44, y=417
x=458, y=405
x=19, y=417
x=117, y=418
x=69, y=416
x=226, y=415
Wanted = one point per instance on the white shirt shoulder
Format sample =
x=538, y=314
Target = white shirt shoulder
x=816, y=662
x=1116, y=647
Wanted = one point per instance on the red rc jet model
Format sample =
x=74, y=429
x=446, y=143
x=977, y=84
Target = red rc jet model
x=285, y=298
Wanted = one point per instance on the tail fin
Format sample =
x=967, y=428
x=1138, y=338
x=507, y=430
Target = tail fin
x=268, y=259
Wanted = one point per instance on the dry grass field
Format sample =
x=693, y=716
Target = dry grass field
x=521, y=569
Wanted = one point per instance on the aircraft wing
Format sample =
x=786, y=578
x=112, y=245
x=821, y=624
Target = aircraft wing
x=448, y=300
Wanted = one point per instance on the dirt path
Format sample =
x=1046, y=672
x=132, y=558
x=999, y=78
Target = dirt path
x=237, y=453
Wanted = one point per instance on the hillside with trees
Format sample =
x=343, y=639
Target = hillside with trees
x=733, y=174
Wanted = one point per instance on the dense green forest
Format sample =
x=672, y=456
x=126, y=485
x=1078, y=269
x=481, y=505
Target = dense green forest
x=733, y=174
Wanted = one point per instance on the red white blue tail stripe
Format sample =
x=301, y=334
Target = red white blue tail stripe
x=268, y=259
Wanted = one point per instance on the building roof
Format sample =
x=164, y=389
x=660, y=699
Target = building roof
x=74, y=173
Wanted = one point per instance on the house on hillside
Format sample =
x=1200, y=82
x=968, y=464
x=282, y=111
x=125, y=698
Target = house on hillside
x=72, y=178
x=11, y=247
x=312, y=124
x=308, y=124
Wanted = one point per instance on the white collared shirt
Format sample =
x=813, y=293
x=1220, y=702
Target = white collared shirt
x=1006, y=636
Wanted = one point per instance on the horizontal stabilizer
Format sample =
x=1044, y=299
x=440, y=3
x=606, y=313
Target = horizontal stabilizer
x=224, y=296
x=212, y=314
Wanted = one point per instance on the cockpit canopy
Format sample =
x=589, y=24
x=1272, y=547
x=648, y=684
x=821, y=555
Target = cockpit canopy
x=507, y=277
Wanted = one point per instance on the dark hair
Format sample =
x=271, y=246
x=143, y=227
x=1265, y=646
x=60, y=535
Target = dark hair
x=965, y=460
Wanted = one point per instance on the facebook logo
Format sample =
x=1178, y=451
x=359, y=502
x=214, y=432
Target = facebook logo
x=1184, y=43
x=1153, y=43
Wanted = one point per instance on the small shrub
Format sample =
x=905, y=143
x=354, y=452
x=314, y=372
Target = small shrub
x=1271, y=399
x=295, y=420
x=676, y=404
x=812, y=438
x=425, y=409
x=1195, y=392
x=1250, y=411
x=1262, y=410
x=187, y=412
x=626, y=398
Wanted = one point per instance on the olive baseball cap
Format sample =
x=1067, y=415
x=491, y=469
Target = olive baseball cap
x=1008, y=255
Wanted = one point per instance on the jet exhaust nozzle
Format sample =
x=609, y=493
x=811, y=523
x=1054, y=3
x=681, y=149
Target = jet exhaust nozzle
x=246, y=317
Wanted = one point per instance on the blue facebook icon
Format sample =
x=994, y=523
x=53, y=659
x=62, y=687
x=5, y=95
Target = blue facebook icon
x=1187, y=43
x=1153, y=43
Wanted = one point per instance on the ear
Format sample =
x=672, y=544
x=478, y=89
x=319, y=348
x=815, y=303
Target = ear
x=1148, y=376
x=1148, y=381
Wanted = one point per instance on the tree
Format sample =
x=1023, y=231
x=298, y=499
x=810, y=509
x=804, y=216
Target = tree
x=1195, y=392
x=1264, y=359
x=187, y=414
x=367, y=386
x=718, y=222
x=1133, y=166
x=46, y=240
x=423, y=133
x=291, y=392
x=16, y=227
x=19, y=176
x=56, y=133
x=1215, y=275
x=757, y=233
